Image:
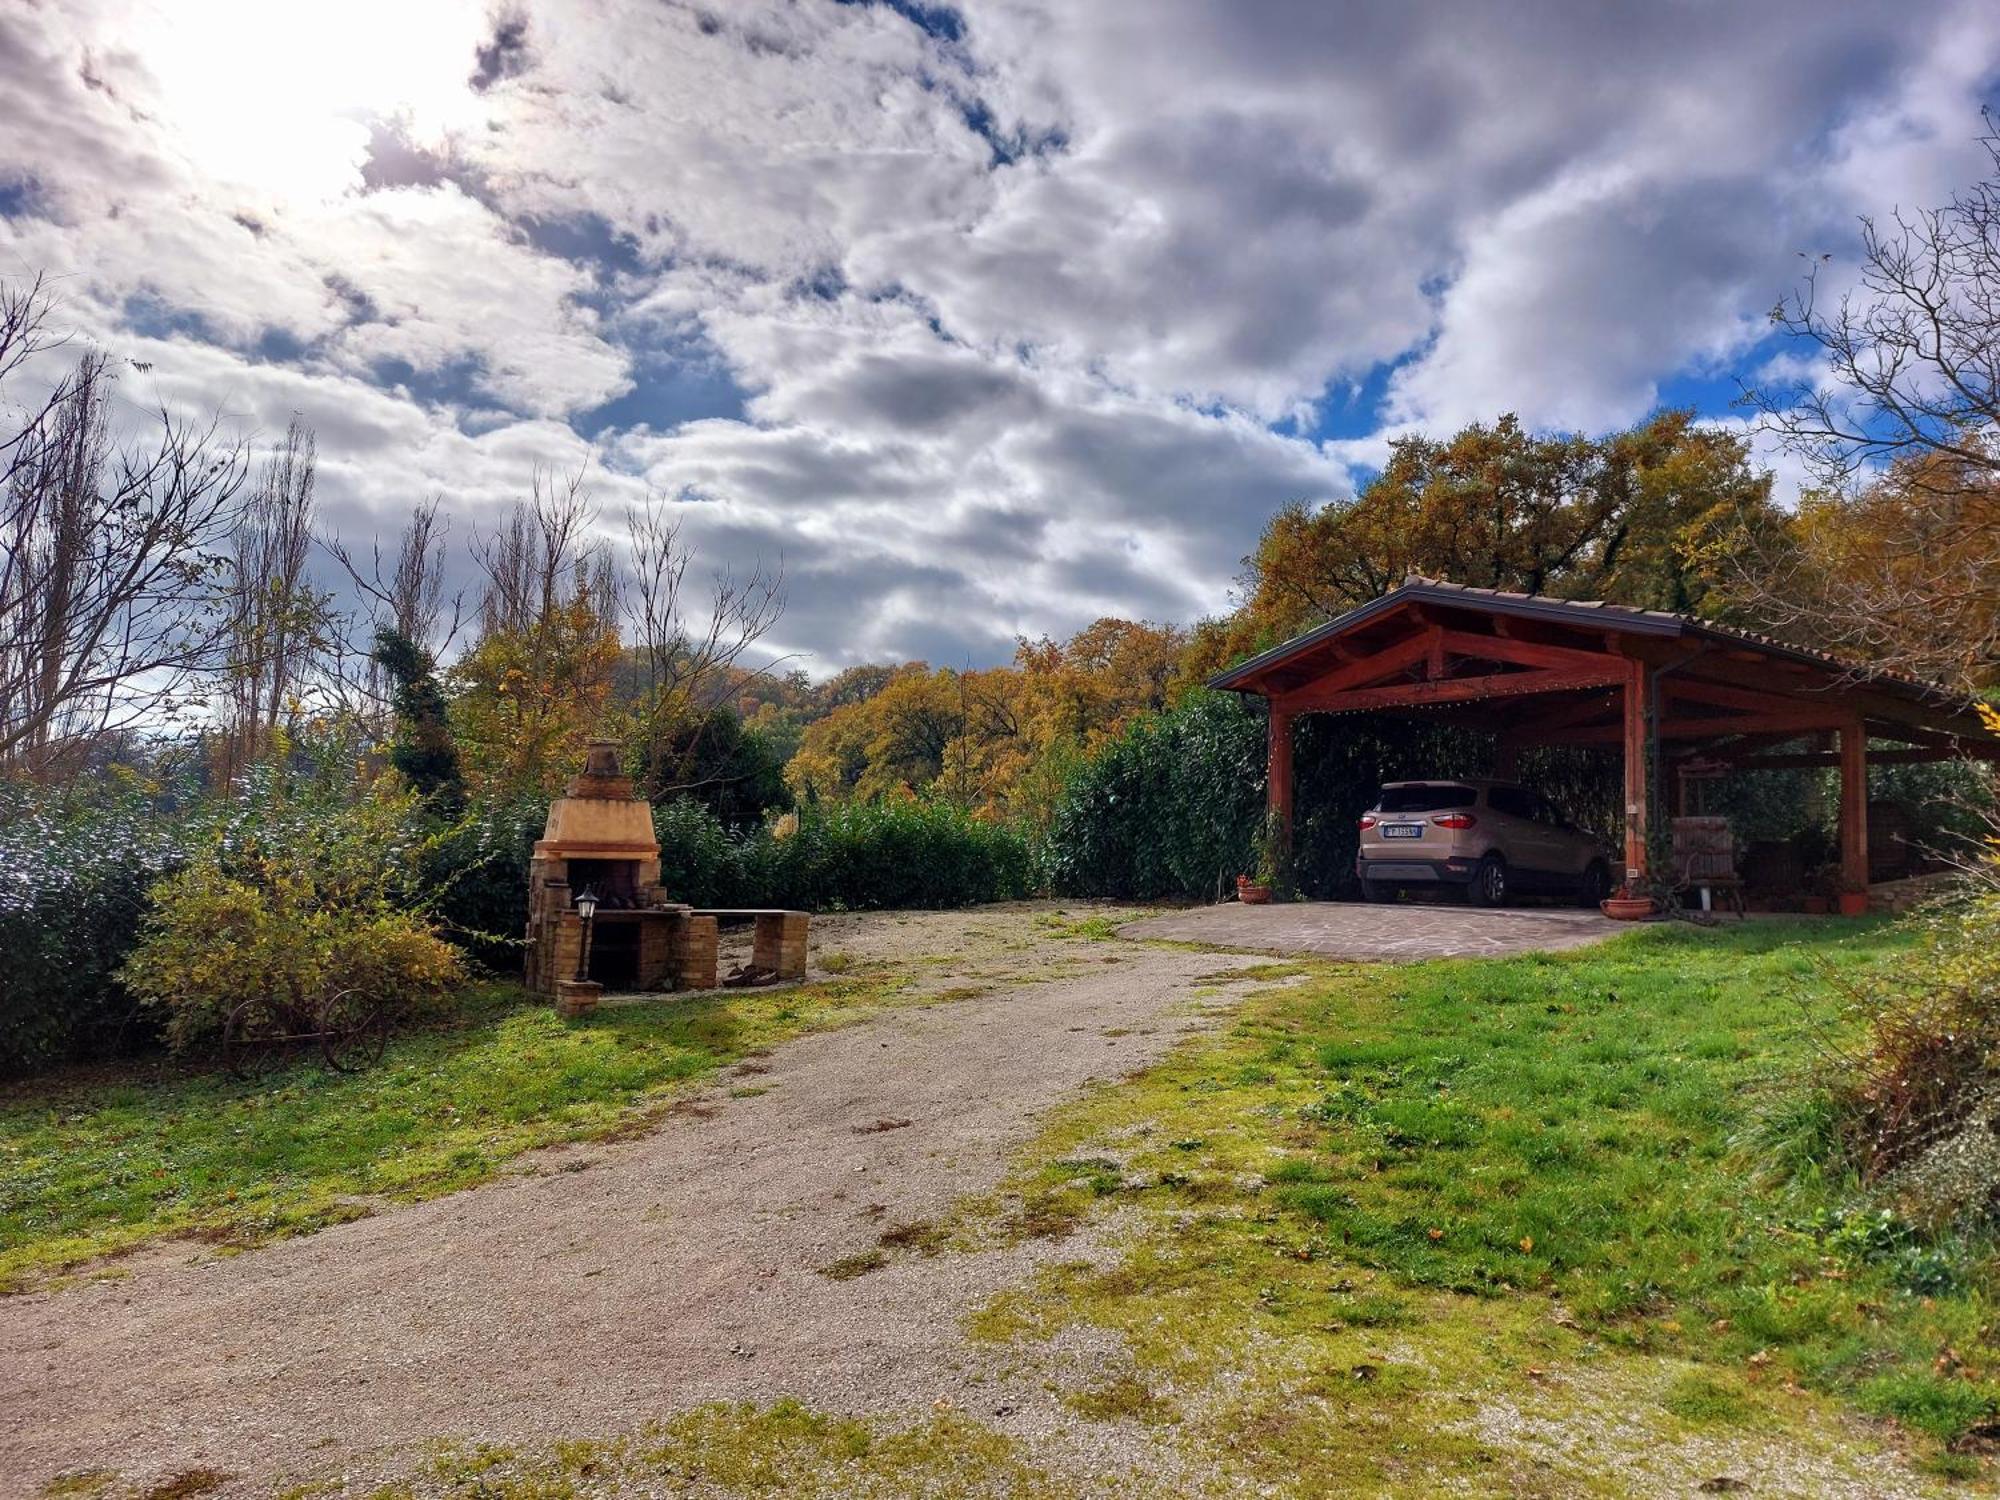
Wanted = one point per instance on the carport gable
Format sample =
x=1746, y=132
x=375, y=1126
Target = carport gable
x=1429, y=644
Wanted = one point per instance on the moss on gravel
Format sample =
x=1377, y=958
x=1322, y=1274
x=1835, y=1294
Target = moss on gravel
x=780, y=1449
x=1490, y=1225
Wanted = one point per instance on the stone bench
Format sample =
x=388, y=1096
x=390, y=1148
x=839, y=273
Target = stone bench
x=779, y=941
x=678, y=946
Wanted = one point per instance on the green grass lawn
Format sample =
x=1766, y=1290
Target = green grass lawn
x=106, y=1161
x=1503, y=1165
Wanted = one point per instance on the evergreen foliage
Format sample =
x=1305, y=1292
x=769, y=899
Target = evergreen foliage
x=77, y=869
x=424, y=752
x=719, y=762
x=853, y=857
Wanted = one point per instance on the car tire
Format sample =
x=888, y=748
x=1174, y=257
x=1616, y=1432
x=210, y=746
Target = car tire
x=1489, y=886
x=1596, y=884
x=1376, y=893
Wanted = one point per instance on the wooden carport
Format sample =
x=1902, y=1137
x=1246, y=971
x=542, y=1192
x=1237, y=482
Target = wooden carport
x=1534, y=670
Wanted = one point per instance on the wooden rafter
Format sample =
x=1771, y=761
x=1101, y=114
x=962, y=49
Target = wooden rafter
x=1372, y=668
x=1455, y=689
x=1477, y=647
x=1571, y=714
x=1803, y=721
x=1822, y=759
x=1720, y=695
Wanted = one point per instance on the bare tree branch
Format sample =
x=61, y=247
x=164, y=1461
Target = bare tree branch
x=111, y=560
x=280, y=625
x=1912, y=354
x=690, y=653
x=1896, y=559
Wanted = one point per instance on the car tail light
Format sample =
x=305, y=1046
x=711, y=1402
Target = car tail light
x=1367, y=821
x=1456, y=820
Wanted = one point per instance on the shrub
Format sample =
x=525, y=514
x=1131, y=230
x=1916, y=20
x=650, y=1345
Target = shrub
x=699, y=862
x=852, y=857
x=1915, y=1103
x=903, y=853
x=74, y=871
x=290, y=902
x=474, y=875
x=1168, y=808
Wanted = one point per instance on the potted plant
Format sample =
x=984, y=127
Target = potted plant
x=1273, y=847
x=1628, y=904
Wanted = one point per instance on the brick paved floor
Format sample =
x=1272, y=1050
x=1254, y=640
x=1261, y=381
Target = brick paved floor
x=1351, y=930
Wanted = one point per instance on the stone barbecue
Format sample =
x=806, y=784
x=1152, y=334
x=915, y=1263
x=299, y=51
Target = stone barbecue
x=599, y=838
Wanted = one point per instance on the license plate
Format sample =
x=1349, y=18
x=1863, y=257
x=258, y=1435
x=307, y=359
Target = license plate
x=1402, y=830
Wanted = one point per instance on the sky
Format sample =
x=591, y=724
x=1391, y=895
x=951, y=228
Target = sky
x=981, y=319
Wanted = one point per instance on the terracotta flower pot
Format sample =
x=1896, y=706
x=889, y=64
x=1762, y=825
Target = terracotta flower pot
x=1854, y=903
x=1815, y=906
x=1626, y=908
x=1252, y=894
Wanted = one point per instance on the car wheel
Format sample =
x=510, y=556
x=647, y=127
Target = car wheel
x=1376, y=892
x=1489, y=882
x=1596, y=884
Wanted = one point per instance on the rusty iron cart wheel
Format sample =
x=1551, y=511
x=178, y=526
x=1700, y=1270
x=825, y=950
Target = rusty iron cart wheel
x=353, y=1031
x=260, y=1038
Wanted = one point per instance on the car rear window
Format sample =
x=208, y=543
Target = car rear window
x=1415, y=799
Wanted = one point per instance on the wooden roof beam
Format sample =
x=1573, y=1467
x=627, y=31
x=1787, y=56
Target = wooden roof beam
x=1518, y=652
x=1455, y=690
x=1791, y=724
x=1364, y=670
x=1848, y=697
x=1818, y=759
x=1719, y=695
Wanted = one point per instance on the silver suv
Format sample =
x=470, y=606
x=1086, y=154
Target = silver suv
x=1494, y=838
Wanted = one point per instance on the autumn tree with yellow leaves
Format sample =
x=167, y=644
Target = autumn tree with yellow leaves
x=534, y=688
x=997, y=740
x=1628, y=517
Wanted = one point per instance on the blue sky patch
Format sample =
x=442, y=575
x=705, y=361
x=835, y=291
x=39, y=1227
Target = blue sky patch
x=685, y=382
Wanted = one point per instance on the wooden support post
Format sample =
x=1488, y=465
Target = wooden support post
x=1638, y=683
x=1853, y=819
x=1279, y=766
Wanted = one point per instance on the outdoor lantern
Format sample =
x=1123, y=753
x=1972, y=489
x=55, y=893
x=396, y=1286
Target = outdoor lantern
x=586, y=908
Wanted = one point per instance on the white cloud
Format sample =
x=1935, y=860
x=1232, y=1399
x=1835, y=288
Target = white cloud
x=1030, y=312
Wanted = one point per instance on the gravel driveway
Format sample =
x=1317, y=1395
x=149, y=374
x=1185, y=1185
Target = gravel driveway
x=616, y=1282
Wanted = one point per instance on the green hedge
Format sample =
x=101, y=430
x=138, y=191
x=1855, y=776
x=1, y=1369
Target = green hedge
x=855, y=857
x=1168, y=808
x=74, y=872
